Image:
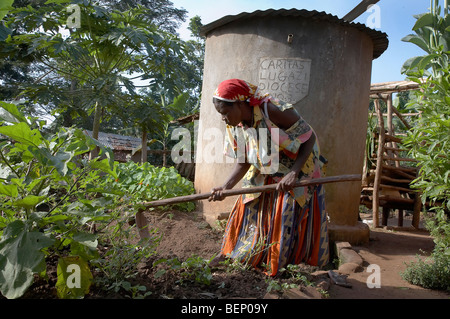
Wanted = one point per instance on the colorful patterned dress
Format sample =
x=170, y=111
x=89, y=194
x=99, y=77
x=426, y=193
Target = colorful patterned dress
x=276, y=228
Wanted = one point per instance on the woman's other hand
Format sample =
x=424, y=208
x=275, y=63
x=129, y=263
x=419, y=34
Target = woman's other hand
x=288, y=182
x=216, y=194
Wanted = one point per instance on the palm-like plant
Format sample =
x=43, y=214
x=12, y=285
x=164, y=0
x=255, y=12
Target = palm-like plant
x=102, y=56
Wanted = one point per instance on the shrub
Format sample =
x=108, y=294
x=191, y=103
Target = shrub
x=431, y=273
x=45, y=205
x=429, y=138
x=137, y=183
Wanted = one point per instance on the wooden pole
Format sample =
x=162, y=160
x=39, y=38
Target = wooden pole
x=251, y=190
x=390, y=127
x=417, y=208
x=400, y=116
x=358, y=10
x=379, y=168
x=142, y=223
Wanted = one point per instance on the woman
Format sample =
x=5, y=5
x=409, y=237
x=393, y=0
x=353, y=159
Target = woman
x=274, y=229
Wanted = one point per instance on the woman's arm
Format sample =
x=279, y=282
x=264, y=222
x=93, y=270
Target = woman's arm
x=240, y=169
x=284, y=120
x=289, y=180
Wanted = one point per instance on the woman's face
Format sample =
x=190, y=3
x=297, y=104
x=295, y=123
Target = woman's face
x=231, y=114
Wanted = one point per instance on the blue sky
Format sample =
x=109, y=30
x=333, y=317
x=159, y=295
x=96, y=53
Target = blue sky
x=396, y=20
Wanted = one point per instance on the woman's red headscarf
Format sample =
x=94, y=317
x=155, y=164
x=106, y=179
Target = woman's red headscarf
x=234, y=90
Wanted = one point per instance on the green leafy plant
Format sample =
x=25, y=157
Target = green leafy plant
x=45, y=207
x=429, y=139
x=98, y=55
x=193, y=269
x=117, y=266
x=145, y=182
x=431, y=273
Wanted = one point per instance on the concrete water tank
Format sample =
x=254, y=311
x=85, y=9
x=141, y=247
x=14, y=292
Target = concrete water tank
x=314, y=60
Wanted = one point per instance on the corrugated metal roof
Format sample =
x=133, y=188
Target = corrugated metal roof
x=380, y=41
x=116, y=141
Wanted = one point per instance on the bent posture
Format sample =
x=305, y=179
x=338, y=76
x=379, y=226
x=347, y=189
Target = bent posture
x=288, y=226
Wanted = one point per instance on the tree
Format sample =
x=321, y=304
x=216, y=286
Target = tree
x=102, y=54
x=161, y=12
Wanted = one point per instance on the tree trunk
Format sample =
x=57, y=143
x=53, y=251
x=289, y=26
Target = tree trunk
x=144, y=146
x=96, y=129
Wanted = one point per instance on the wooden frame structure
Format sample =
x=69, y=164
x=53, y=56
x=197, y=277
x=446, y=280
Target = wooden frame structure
x=386, y=184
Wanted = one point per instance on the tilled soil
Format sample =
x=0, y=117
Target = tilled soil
x=186, y=235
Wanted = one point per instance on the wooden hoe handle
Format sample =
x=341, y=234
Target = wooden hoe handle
x=251, y=190
x=142, y=223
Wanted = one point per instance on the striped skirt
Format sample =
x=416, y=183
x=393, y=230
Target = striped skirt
x=274, y=230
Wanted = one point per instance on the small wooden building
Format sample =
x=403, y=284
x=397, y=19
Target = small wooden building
x=125, y=148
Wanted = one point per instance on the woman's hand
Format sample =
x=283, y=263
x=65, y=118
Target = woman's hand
x=240, y=169
x=216, y=194
x=288, y=182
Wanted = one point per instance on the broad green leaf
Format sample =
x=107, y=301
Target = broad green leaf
x=426, y=60
x=20, y=258
x=5, y=6
x=419, y=41
x=74, y=278
x=29, y=201
x=411, y=64
x=10, y=113
x=104, y=165
x=86, y=239
x=22, y=133
x=57, y=1
x=4, y=32
x=424, y=20
x=9, y=190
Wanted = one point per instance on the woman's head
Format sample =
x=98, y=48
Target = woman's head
x=232, y=98
x=232, y=113
x=234, y=90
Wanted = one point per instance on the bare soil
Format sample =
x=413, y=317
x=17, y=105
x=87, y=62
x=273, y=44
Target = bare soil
x=186, y=234
x=392, y=248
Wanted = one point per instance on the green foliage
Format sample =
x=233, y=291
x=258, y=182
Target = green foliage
x=51, y=197
x=117, y=266
x=99, y=59
x=193, y=269
x=21, y=257
x=145, y=182
x=429, y=139
x=74, y=278
x=290, y=277
x=432, y=34
x=5, y=6
x=45, y=206
x=431, y=273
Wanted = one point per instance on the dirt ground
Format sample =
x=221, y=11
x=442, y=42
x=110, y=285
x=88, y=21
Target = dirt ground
x=187, y=234
x=390, y=249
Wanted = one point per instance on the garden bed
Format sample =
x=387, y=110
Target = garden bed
x=185, y=237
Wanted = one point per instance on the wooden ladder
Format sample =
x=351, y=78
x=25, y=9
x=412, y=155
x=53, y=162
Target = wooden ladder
x=388, y=184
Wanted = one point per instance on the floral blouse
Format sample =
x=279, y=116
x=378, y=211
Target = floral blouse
x=272, y=151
